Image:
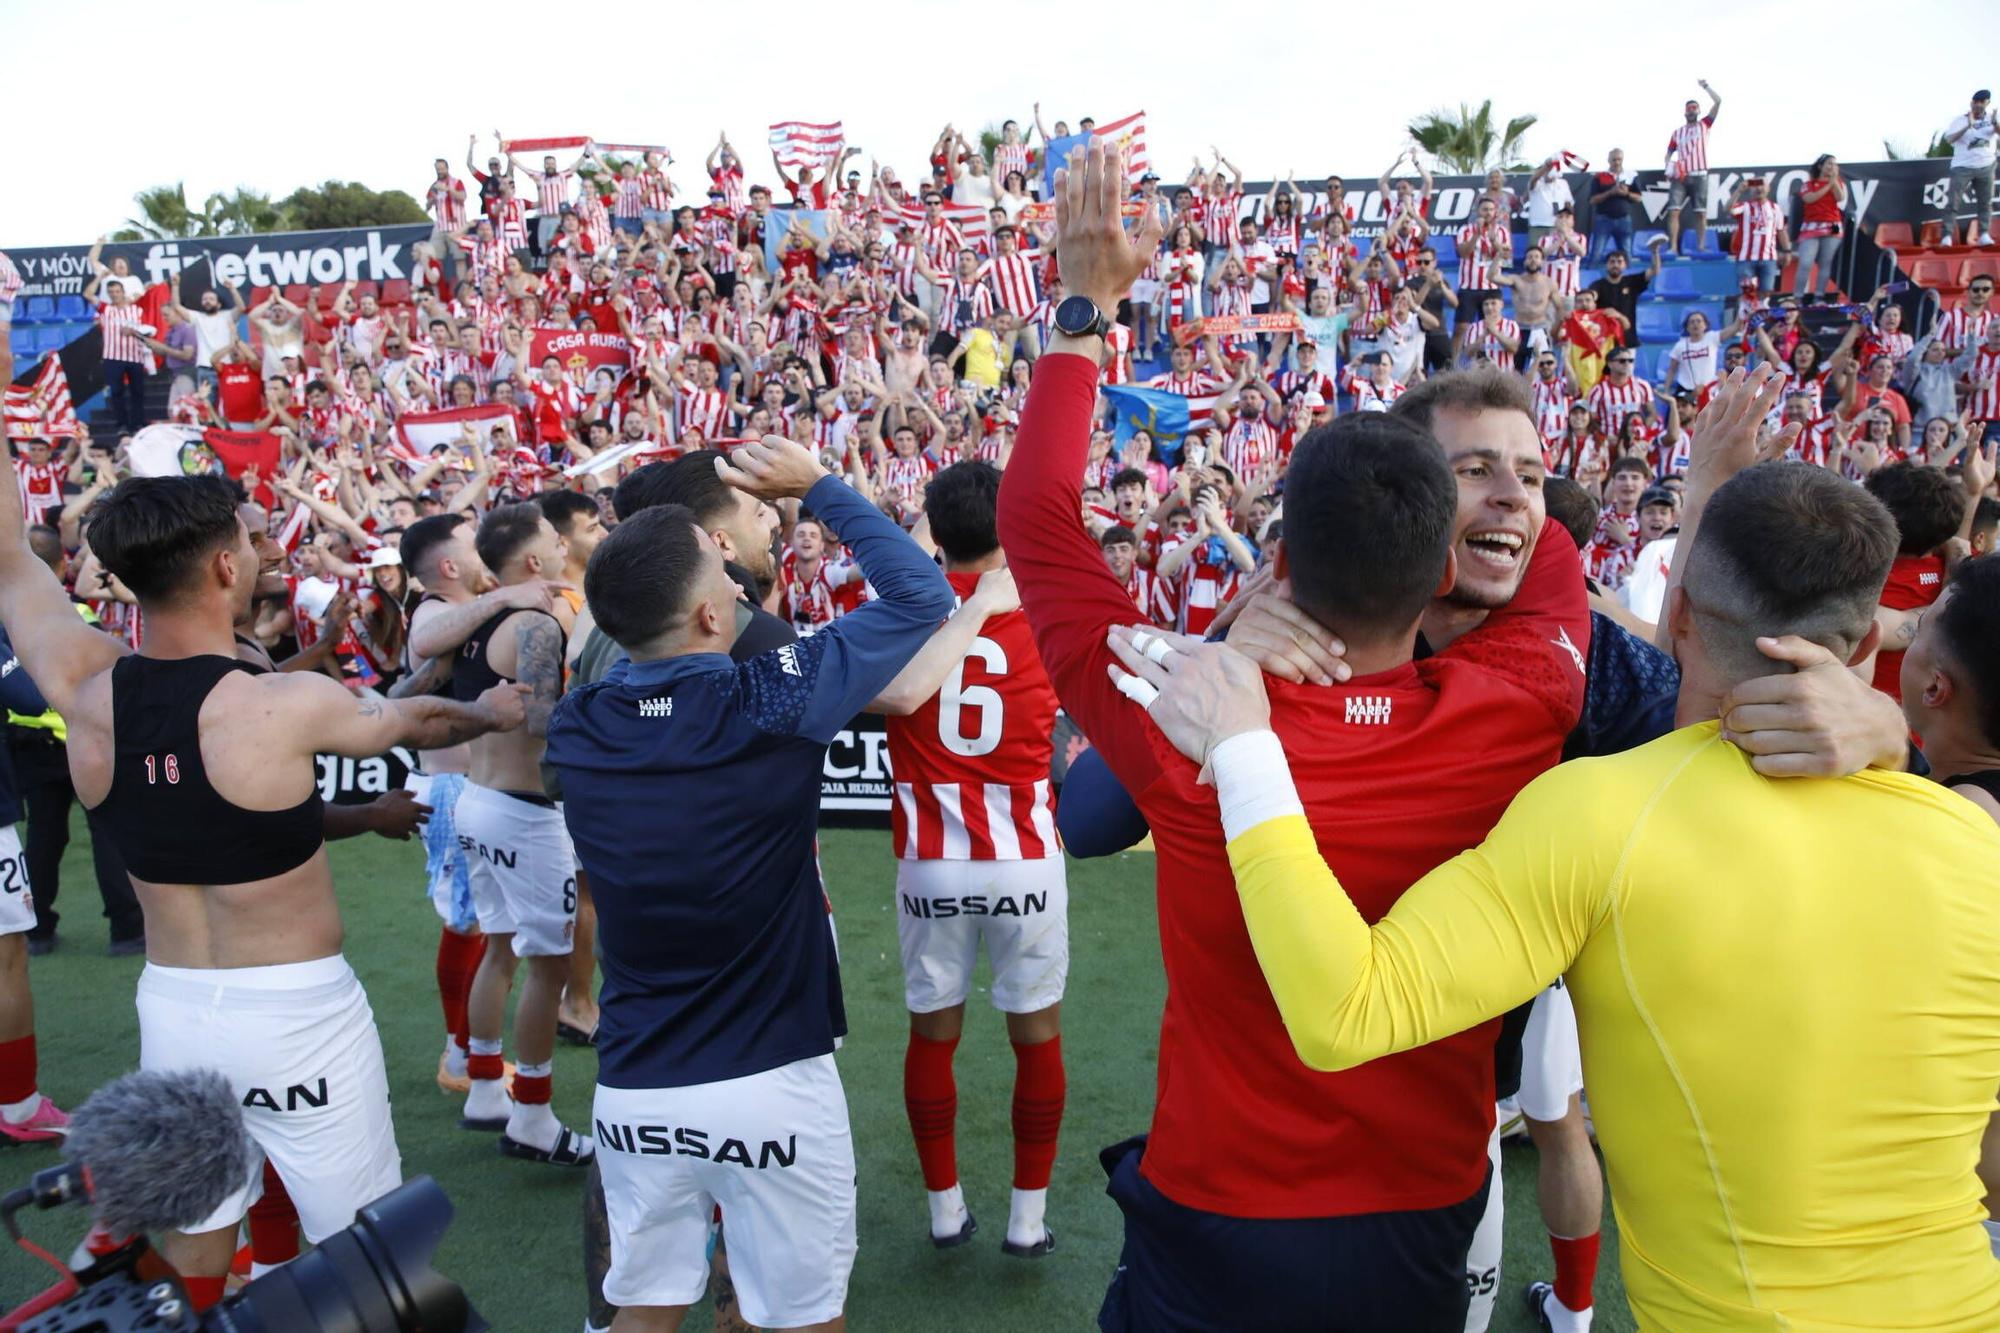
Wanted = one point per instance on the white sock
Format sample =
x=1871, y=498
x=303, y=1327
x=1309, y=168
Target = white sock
x=947, y=1211
x=488, y=1100
x=535, y=1124
x=1562, y=1319
x=454, y=1058
x=589, y=1327
x=482, y=1046
x=1024, y=1218
x=21, y=1112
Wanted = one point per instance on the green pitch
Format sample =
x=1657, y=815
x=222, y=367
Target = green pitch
x=514, y=1244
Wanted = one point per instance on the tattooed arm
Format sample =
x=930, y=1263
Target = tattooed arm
x=323, y=717
x=538, y=647
x=429, y=674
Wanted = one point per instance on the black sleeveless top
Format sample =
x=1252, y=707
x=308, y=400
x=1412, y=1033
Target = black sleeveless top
x=170, y=824
x=1986, y=779
x=472, y=672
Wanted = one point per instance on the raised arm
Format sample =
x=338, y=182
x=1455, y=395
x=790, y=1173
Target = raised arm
x=856, y=658
x=1070, y=596
x=57, y=650
x=945, y=651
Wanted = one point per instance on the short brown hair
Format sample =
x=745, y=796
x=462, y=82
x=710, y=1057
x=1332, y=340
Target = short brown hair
x=1787, y=548
x=1487, y=388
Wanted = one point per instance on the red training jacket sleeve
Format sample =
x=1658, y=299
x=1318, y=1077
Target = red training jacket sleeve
x=1069, y=594
x=1540, y=640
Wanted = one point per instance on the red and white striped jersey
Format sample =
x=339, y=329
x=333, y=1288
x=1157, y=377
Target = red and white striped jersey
x=1479, y=250
x=1283, y=234
x=1757, y=224
x=1218, y=218
x=902, y=261
x=1291, y=385
x=1553, y=401
x=729, y=180
x=1961, y=328
x=1249, y=447
x=1982, y=382
x=942, y=240
x=1688, y=146
x=1205, y=587
x=595, y=221
x=705, y=410
x=488, y=258
x=1194, y=384
x=122, y=325
x=1370, y=397
x=1562, y=255
x=1611, y=403
x=971, y=764
x=961, y=305
x=908, y=476
x=41, y=487
x=445, y=202
x=1118, y=362
x=1895, y=346
x=1012, y=278
x=1487, y=340
x=552, y=192
x=1009, y=157
x=630, y=198
x=510, y=220
x=1815, y=443
x=656, y=192
x=810, y=603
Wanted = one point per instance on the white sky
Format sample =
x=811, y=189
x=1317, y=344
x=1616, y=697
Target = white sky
x=368, y=90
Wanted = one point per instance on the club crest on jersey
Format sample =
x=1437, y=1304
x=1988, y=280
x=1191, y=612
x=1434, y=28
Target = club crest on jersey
x=656, y=708
x=1369, y=710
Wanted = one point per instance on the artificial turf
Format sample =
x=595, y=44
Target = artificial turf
x=515, y=1245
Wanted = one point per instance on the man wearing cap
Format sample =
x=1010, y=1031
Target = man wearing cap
x=1971, y=135
x=1645, y=590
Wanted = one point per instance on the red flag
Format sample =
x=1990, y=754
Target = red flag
x=801, y=143
x=240, y=450
x=42, y=410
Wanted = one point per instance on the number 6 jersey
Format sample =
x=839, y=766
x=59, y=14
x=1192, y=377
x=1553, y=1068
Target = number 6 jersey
x=972, y=763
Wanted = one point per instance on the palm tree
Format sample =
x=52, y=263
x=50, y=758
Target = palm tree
x=241, y=212
x=1468, y=143
x=1937, y=148
x=164, y=215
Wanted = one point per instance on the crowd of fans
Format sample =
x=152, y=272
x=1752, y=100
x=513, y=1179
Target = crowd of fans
x=895, y=340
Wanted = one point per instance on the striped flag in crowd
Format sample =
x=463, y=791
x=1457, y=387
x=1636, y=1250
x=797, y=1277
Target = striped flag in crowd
x=1127, y=134
x=42, y=409
x=801, y=143
x=970, y=219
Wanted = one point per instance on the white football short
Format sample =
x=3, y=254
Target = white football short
x=773, y=1149
x=299, y=1047
x=1018, y=909
x=1482, y=1258
x=1551, y=1059
x=523, y=870
x=17, y=902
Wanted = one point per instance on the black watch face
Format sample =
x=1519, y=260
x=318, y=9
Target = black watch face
x=1077, y=316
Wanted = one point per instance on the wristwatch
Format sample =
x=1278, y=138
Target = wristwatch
x=1079, y=317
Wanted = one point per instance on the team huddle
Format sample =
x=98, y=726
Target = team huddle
x=1432, y=834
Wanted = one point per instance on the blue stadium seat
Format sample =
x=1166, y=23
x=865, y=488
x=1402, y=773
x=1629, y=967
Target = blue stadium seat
x=1660, y=320
x=1590, y=275
x=1647, y=361
x=1446, y=245
x=1677, y=281
x=1710, y=248
x=1712, y=309
x=72, y=307
x=35, y=310
x=1641, y=241
x=1520, y=247
x=1713, y=279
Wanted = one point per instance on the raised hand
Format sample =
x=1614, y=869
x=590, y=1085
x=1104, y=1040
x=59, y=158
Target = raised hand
x=1728, y=439
x=1098, y=259
x=773, y=468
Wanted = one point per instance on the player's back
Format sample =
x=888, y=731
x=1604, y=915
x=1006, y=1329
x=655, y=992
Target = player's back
x=1398, y=771
x=971, y=764
x=1790, y=1017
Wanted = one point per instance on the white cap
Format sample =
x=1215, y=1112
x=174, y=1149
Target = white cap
x=383, y=557
x=1313, y=400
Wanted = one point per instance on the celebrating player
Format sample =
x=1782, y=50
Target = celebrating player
x=978, y=860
